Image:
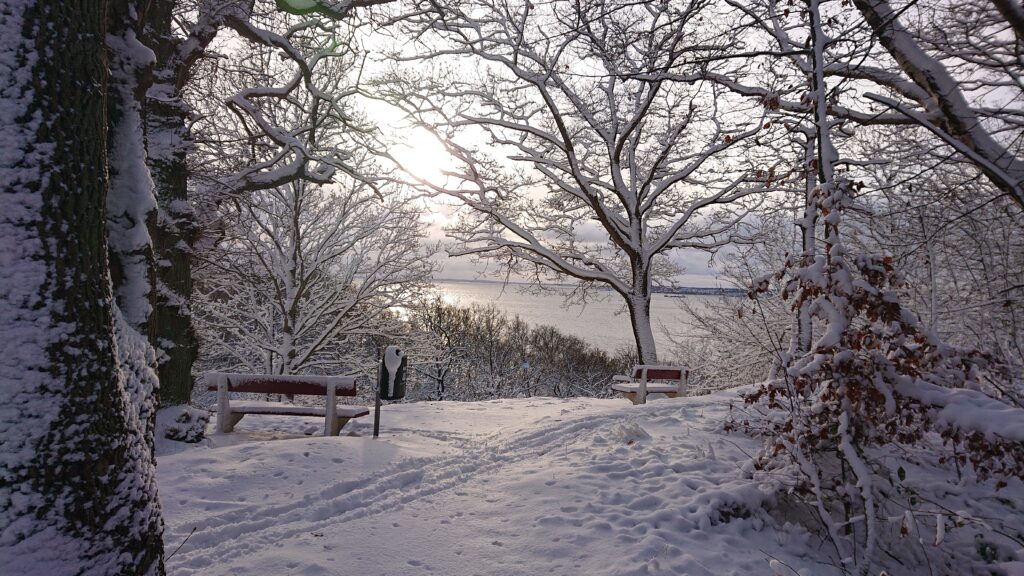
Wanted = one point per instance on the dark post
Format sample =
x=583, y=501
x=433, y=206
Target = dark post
x=376, y=415
x=390, y=381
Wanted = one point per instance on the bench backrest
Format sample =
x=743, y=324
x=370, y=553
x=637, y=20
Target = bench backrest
x=660, y=372
x=273, y=384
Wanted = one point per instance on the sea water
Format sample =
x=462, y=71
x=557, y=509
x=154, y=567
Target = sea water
x=601, y=321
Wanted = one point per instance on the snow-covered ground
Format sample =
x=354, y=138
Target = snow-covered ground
x=525, y=487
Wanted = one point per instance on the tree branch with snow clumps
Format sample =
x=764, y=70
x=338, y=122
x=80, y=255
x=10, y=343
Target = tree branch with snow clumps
x=873, y=374
x=591, y=171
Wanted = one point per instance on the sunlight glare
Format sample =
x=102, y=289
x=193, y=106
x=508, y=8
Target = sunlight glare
x=423, y=156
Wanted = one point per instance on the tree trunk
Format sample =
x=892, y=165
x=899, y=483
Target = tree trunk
x=639, y=305
x=173, y=333
x=808, y=246
x=1013, y=11
x=77, y=482
x=130, y=205
x=173, y=230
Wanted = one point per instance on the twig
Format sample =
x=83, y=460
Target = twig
x=780, y=563
x=182, y=543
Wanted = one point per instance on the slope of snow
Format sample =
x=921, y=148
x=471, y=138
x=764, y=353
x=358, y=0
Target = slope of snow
x=525, y=486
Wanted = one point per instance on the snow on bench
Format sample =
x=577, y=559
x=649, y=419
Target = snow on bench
x=637, y=386
x=229, y=412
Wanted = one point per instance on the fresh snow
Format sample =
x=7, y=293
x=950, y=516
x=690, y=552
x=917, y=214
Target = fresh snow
x=527, y=486
x=522, y=486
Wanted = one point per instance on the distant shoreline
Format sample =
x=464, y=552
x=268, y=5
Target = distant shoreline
x=679, y=291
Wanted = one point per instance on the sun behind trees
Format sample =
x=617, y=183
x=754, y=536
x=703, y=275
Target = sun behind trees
x=594, y=171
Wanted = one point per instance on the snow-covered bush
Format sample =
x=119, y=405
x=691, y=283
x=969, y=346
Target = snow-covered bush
x=480, y=353
x=182, y=423
x=862, y=373
x=728, y=341
x=874, y=377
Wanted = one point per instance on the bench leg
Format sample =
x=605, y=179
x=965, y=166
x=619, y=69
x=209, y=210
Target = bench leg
x=229, y=421
x=337, y=425
x=631, y=396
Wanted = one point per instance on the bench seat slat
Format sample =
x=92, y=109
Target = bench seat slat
x=280, y=409
x=651, y=388
x=271, y=384
x=660, y=373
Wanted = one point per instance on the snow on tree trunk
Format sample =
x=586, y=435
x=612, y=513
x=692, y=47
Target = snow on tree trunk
x=808, y=245
x=639, y=305
x=173, y=229
x=130, y=205
x=77, y=482
x=130, y=201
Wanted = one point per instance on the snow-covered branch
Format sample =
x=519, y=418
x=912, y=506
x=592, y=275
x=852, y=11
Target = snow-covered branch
x=604, y=168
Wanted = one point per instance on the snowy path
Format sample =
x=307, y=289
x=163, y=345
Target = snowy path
x=534, y=486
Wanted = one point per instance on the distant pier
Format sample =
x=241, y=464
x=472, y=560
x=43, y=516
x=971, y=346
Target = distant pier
x=695, y=291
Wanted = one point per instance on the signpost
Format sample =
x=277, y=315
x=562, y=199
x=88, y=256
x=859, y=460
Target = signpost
x=390, y=381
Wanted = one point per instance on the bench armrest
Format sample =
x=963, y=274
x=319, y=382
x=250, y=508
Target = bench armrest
x=620, y=378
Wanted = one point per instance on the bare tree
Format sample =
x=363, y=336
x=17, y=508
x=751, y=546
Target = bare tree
x=183, y=34
x=303, y=273
x=617, y=170
x=956, y=73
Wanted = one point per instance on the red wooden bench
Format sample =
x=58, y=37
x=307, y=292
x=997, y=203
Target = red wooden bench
x=638, y=385
x=230, y=412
